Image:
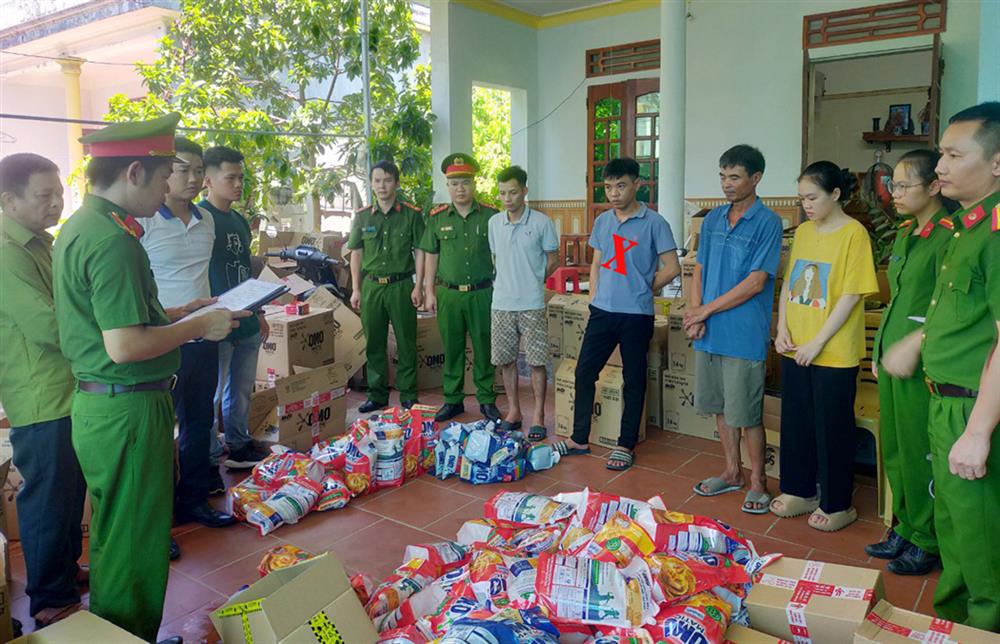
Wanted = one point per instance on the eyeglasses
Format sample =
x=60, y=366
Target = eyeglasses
x=893, y=186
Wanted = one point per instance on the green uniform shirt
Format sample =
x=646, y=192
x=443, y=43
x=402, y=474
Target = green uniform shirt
x=913, y=269
x=102, y=282
x=36, y=384
x=961, y=330
x=230, y=265
x=462, y=243
x=388, y=239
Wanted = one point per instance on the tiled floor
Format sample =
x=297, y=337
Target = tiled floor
x=372, y=532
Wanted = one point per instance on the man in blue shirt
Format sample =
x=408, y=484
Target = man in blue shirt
x=633, y=259
x=729, y=318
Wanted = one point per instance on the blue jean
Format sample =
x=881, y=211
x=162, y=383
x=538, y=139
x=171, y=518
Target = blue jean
x=49, y=511
x=237, y=370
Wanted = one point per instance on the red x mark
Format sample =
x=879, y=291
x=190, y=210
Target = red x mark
x=619, y=259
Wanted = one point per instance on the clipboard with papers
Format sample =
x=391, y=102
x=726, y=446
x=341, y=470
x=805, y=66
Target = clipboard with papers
x=248, y=296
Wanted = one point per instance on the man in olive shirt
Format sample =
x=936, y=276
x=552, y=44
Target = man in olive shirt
x=962, y=368
x=229, y=267
x=36, y=386
x=383, y=244
x=459, y=264
x=123, y=349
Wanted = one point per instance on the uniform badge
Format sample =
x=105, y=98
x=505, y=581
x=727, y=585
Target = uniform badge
x=369, y=229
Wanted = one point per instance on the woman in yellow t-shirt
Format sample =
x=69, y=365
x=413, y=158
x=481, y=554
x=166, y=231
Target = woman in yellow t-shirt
x=821, y=328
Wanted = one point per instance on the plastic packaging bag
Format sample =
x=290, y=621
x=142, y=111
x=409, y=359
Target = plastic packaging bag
x=245, y=494
x=448, y=451
x=335, y=494
x=404, y=582
x=277, y=469
x=360, y=461
x=280, y=557
x=522, y=510
x=443, y=556
x=287, y=505
x=692, y=533
x=593, y=509
x=389, y=457
x=505, y=627
x=331, y=454
x=619, y=541
x=681, y=575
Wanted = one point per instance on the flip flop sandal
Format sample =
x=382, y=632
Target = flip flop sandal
x=51, y=615
x=537, y=433
x=714, y=486
x=563, y=449
x=794, y=506
x=621, y=456
x=835, y=521
x=507, y=426
x=762, y=499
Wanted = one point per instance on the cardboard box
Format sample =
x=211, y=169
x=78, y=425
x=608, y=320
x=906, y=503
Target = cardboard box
x=430, y=354
x=772, y=453
x=658, y=344
x=576, y=314
x=303, y=340
x=12, y=484
x=565, y=394
x=737, y=634
x=890, y=625
x=469, y=385
x=680, y=353
x=654, y=395
x=349, y=338
x=301, y=409
x=609, y=407
x=6, y=626
x=826, y=602
x=293, y=604
x=554, y=316
x=297, y=286
x=687, y=273
x=772, y=413
x=679, y=414
x=82, y=626
x=661, y=305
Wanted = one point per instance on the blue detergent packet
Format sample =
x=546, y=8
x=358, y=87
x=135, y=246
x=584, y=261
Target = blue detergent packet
x=509, y=626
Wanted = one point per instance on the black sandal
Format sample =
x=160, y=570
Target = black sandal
x=621, y=456
x=563, y=449
x=537, y=433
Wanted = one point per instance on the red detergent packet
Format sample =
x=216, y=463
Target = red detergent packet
x=522, y=510
x=443, y=556
x=619, y=541
x=681, y=575
x=677, y=531
x=397, y=587
x=594, y=509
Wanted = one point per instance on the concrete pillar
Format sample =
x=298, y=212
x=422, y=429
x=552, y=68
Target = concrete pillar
x=673, y=83
x=71, y=84
x=440, y=92
x=989, y=52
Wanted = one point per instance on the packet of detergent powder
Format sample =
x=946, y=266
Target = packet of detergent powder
x=443, y=557
x=246, y=493
x=288, y=504
x=389, y=455
x=534, y=541
x=483, y=531
x=363, y=586
x=619, y=541
x=424, y=602
x=588, y=591
x=521, y=575
x=359, y=465
x=278, y=469
x=488, y=579
x=681, y=574
x=575, y=539
x=331, y=454
x=455, y=607
x=593, y=509
x=448, y=451
x=692, y=533
x=411, y=634
x=423, y=424
x=508, y=626
x=522, y=510
x=335, y=494
x=701, y=618
x=280, y=557
x=402, y=583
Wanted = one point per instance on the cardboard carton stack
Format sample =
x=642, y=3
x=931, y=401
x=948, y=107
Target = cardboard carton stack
x=772, y=439
x=349, y=338
x=306, y=340
x=679, y=414
x=609, y=404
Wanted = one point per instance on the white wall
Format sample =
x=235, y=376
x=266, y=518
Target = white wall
x=989, y=53
x=562, y=136
x=476, y=48
x=46, y=139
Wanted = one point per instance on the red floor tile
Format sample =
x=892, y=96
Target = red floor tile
x=418, y=504
x=378, y=549
x=184, y=595
x=925, y=603
x=849, y=542
x=207, y=549
x=447, y=527
x=641, y=483
x=582, y=471
x=726, y=507
x=766, y=545
x=866, y=503
x=664, y=457
x=317, y=531
x=196, y=626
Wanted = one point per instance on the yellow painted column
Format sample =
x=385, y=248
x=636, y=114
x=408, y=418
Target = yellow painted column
x=71, y=84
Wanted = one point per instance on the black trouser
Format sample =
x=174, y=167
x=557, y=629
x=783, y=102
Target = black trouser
x=605, y=331
x=193, y=397
x=49, y=511
x=818, y=433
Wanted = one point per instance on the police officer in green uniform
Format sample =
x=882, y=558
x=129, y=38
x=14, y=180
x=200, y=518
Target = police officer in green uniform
x=962, y=365
x=916, y=257
x=384, y=258
x=122, y=347
x=459, y=286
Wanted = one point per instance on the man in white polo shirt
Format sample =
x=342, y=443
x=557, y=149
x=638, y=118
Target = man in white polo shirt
x=179, y=240
x=524, y=244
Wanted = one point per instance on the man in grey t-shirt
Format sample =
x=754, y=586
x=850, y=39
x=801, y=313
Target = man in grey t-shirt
x=524, y=244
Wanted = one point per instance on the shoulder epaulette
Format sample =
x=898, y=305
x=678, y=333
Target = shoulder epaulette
x=363, y=210
x=409, y=205
x=995, y=219
x=439, y=208
x=946, y=222
x=483, y=204
x=905, y=223
x=974, y=217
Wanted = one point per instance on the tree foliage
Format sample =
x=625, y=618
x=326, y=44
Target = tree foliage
x=490, y=137
x=294, y=66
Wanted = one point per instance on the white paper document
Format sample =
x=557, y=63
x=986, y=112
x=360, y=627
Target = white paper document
x=248, y=296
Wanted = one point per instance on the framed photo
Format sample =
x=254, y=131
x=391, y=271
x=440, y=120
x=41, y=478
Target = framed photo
x=899, y=119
